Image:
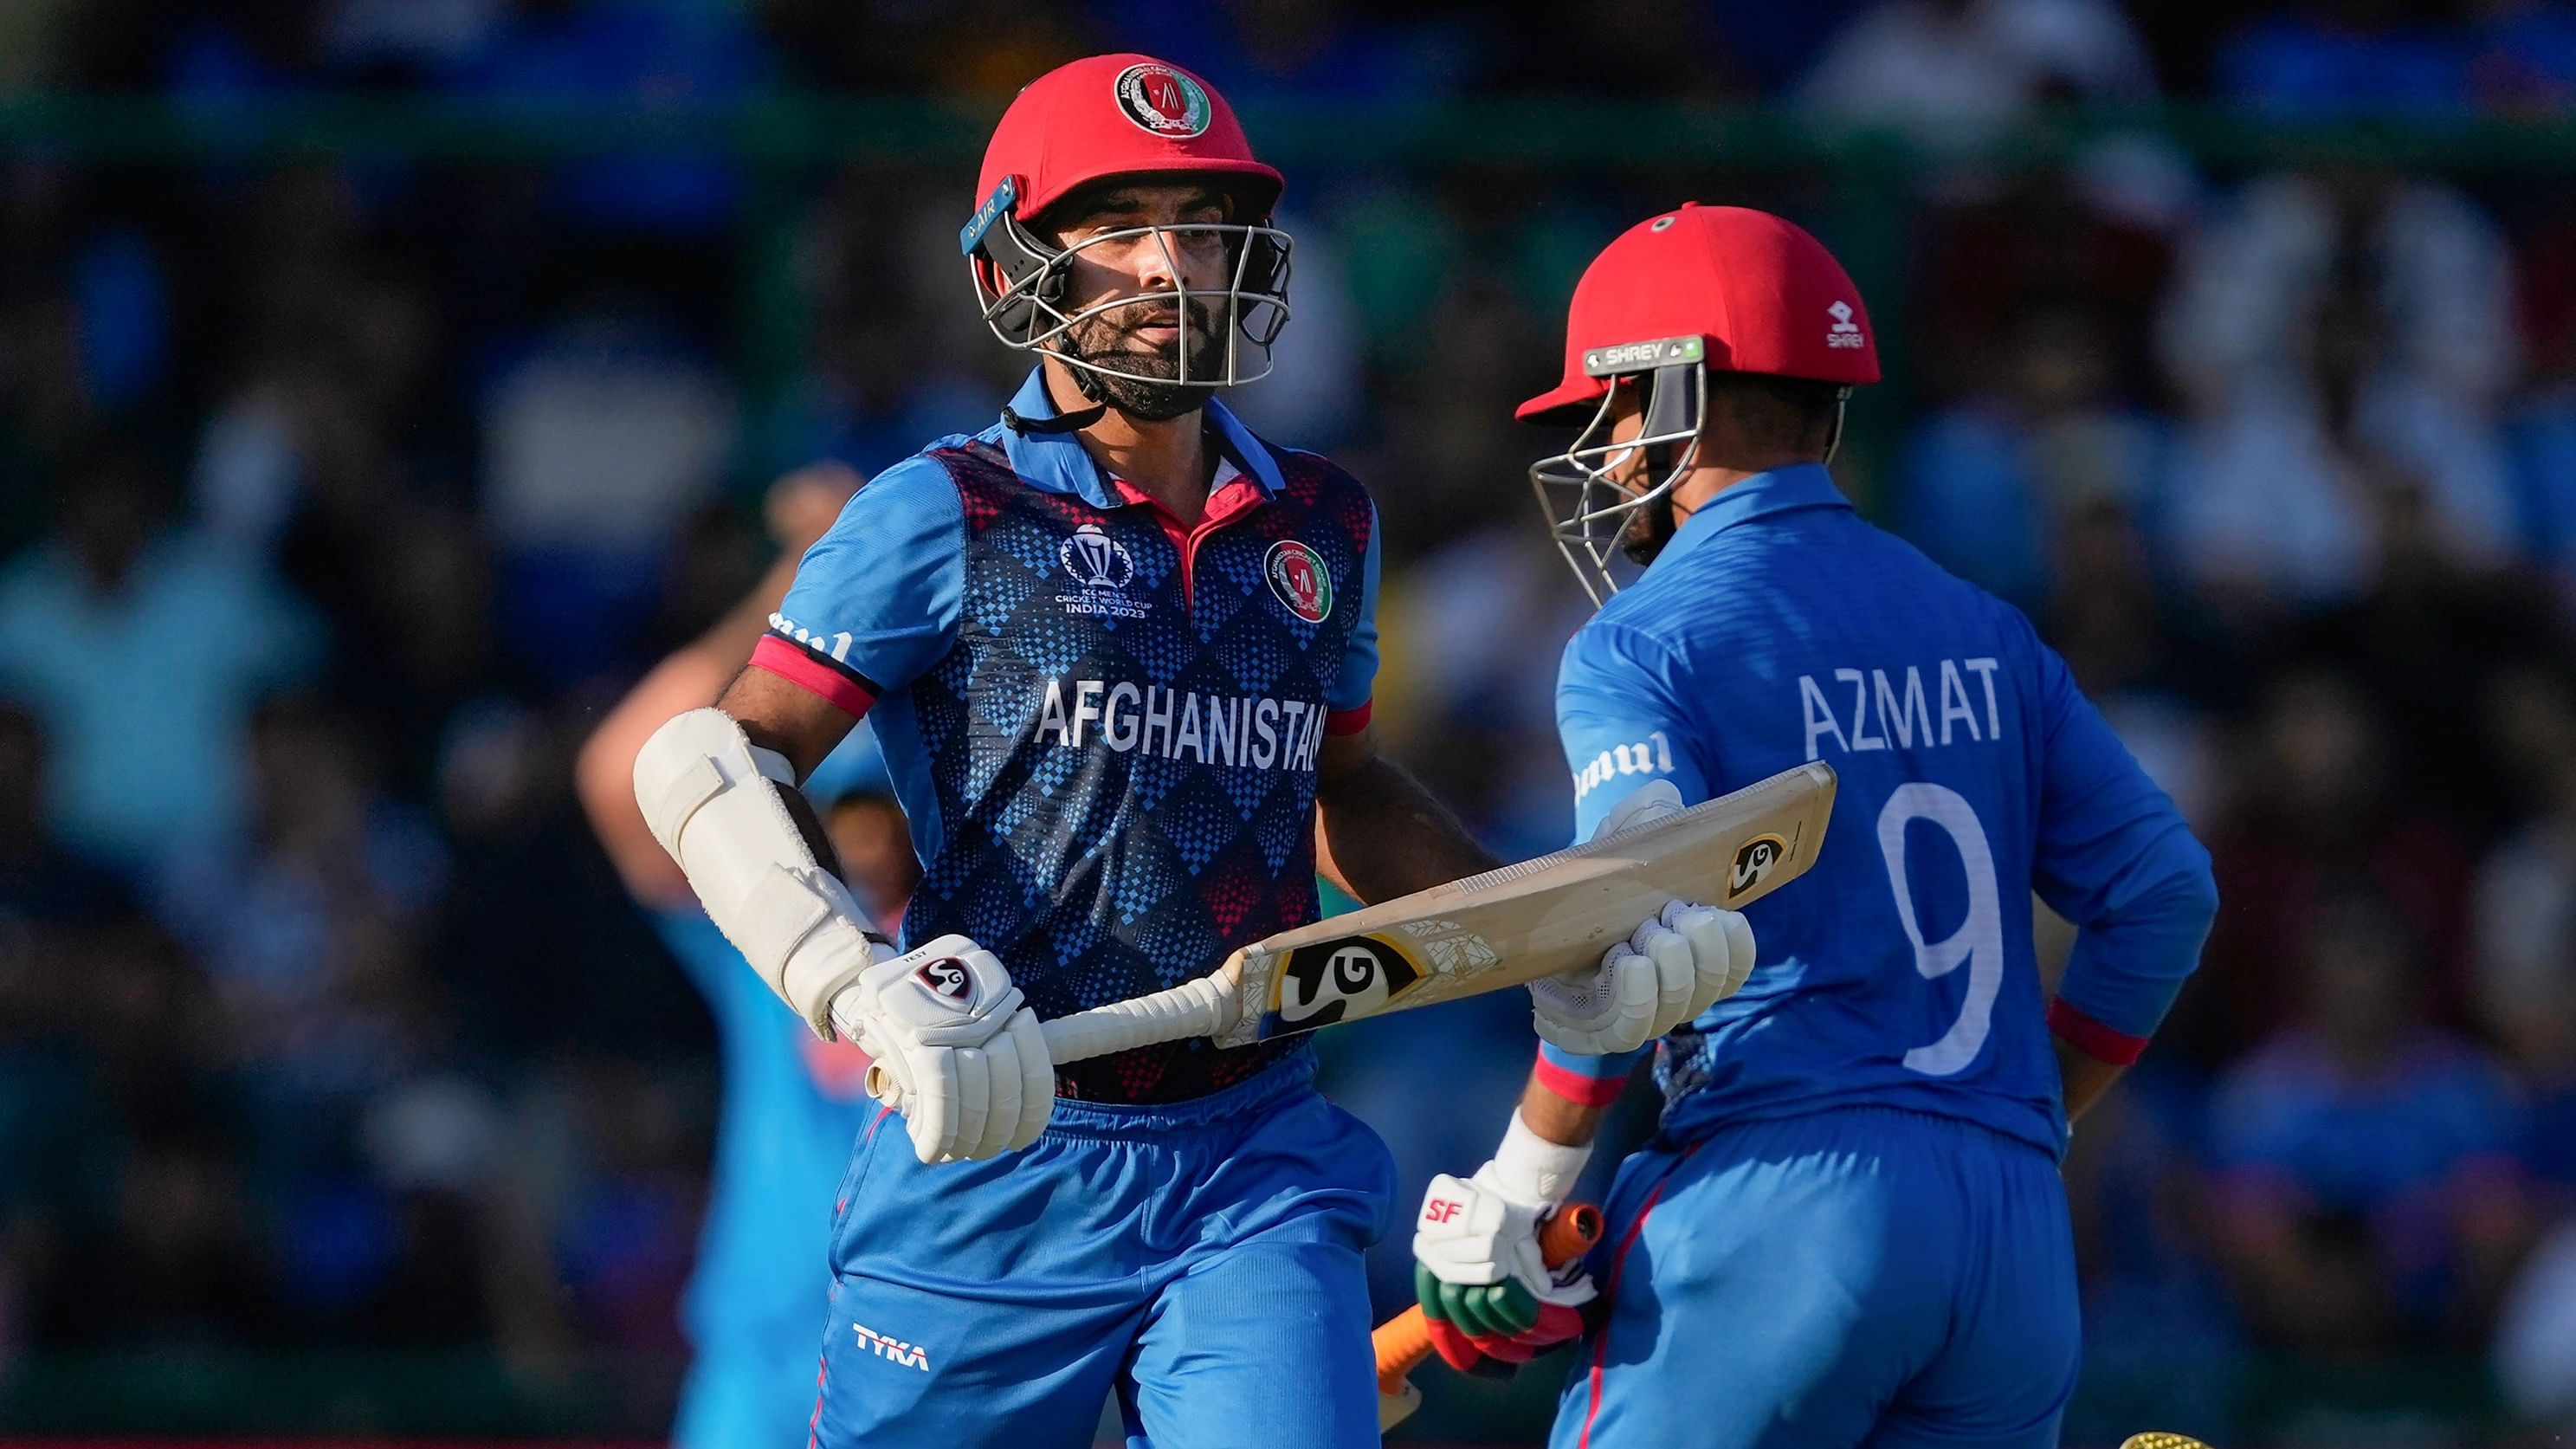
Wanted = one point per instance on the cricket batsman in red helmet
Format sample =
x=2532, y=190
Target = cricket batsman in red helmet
x=1850, y=1228
x=1118, y=652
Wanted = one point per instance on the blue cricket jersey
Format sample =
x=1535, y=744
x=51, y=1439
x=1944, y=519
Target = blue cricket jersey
x=792, y=1106
x=1102, y=726
x=1778, y=627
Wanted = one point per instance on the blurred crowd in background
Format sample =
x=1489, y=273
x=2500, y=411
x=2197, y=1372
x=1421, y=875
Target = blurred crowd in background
x=338, y=499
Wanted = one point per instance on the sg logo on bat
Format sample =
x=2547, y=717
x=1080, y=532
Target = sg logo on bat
x=1351, y=976
x=1754, y=862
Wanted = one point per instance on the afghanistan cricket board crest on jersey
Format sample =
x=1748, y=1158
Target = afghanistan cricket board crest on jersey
x=1163, y=101
x=1297, y=576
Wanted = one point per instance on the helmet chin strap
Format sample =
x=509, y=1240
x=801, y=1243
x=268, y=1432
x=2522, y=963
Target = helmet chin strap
x=1072, y=421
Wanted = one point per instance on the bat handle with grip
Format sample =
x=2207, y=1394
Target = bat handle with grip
x=1203, y=1007
x=1404, y=1341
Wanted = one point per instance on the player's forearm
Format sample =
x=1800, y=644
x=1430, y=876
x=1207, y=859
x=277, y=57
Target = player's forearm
x=1379, y=834
x=1544, y=1148
x=1559, y=1118
x=2082, y=1077
x=605, y=773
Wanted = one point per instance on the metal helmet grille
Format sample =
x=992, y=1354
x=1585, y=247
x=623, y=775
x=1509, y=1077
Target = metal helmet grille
x=1588, y=509
x=1021, y=282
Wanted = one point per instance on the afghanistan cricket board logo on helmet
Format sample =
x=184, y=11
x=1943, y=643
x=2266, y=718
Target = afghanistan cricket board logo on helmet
x=1161, y=100
x=1297, y=576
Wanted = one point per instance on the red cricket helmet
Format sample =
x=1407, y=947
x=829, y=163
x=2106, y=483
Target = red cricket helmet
x=1759, y=292
x=1118, y=115
x=1104, y=117
x=1696, y=290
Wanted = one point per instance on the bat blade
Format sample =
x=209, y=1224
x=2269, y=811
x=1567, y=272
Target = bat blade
x=1538, y=918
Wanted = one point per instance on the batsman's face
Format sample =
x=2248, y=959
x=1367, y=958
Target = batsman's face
x=1628, y=470
x=1627, y=420
x=1151, y=243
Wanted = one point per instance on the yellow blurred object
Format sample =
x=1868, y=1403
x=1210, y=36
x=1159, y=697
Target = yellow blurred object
x=1395, y=1408
x=2158, y=1439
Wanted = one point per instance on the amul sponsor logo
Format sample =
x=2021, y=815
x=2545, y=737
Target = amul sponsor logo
x=1652, y=755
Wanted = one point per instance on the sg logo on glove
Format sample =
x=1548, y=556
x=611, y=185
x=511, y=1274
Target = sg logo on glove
x=1321, y=983
x=948, y=977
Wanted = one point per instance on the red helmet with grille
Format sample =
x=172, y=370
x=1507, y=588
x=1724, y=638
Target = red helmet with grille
x=1124, y=117
x=1759, y=293
x=1118, y=115
x=1678, y=297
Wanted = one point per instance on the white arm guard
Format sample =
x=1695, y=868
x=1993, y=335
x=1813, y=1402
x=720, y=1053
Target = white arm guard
x=705, y=790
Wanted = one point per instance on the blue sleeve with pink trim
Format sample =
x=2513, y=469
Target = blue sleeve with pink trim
x=1350, y=691
x=2113, y=856
x=1619, y=715
x=877, y=599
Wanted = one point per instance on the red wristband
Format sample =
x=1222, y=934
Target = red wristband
x=2092, y=1038
x=1579, y=1089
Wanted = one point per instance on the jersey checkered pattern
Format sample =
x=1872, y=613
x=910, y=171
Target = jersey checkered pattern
x=1099, y=873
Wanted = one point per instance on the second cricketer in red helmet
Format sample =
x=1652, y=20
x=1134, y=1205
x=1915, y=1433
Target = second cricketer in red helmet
x=1217, y=281
x=1699, y=297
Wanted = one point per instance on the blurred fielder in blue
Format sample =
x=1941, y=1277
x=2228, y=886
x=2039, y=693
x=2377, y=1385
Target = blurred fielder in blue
x=793, y=1104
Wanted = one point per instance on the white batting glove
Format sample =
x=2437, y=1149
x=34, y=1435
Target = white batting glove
x=956, y=1050
x=1683, y=960
x=1477, y=1265
x=1484, y=1229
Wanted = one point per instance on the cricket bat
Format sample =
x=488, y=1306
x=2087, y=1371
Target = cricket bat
x=1504, y=928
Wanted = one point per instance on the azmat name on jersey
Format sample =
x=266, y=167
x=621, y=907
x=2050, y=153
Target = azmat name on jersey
x=1876, y=709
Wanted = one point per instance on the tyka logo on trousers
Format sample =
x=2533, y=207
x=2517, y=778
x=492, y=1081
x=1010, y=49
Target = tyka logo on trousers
x=892, y=1350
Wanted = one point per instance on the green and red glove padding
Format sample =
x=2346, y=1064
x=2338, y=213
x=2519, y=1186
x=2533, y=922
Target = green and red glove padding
x=1488, y=1299
x=1493, y=1328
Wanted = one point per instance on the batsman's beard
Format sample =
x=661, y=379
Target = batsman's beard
x=1109, y=342
x=1647, y=530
